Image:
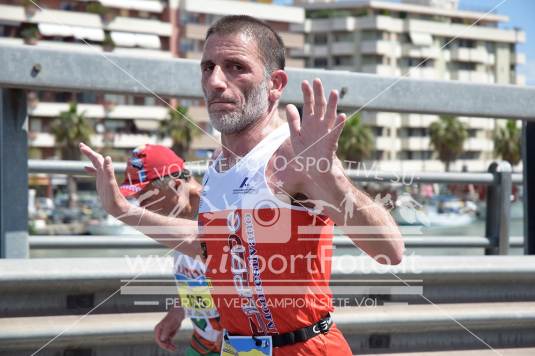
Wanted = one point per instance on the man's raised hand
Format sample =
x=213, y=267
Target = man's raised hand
x=317, y=135
x=108, y=191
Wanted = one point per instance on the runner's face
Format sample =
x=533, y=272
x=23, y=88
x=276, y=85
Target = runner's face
x=234, y=82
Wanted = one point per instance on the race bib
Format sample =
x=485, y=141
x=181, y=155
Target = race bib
x=246, y=345
x=195, y=296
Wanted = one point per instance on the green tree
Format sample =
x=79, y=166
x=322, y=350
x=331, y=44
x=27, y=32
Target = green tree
x=507, y=142
x=447, y=138
x=69, y=129
x=356, y=141
x=178, y=126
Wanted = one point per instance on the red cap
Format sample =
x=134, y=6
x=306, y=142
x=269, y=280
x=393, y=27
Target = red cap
x=148, y=163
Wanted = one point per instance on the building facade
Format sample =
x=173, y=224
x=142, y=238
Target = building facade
x=147, y=28
x=424, y=39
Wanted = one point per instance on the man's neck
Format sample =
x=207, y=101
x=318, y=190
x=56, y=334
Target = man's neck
x=235, y=146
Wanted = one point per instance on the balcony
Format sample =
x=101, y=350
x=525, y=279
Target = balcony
x=417, y=120
x=120, y=140
x=295, y=63
x=478, y=144
x=382, y=119
x=387, y=48
x=381, y=69
x=384, y=143
x=343, y=48
x=16, y=14
x=472, y=76
x=415, y=143
x=419, y=52
x=473, y=55
x=97, y=111
x=292, y=40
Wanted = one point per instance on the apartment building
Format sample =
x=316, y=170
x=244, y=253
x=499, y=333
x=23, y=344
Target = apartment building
x=147, y=28
x=424, y=39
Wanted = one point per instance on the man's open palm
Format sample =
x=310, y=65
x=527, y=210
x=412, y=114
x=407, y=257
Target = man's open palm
x=108, y=191
x=317, y=135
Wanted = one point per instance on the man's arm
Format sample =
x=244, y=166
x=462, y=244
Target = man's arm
x=176, y=233
x=315, y=138
x=370, y=226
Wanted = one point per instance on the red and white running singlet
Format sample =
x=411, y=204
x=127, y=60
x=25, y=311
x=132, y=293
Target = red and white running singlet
x=268, y=274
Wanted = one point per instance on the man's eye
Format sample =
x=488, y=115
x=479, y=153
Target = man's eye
x=237, y=67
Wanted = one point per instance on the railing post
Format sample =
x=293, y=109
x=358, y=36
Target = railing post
x=528, y=162
x=13, y=174
x=499, y=208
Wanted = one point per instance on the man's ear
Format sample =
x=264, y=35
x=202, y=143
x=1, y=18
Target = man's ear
x=175, y=184
x=279, y=80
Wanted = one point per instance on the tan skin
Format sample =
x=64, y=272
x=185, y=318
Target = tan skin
x=230, y=66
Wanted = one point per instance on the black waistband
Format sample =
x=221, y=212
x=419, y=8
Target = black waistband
x=303, y=334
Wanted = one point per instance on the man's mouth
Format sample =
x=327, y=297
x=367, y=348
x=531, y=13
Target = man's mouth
x=222, y=103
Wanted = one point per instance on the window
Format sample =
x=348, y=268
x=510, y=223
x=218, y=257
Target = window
x=343, y=37
x=320, y=62
x=377, y=130
x=343, y=60
x=421, y=38
x=466, y=66
x=417, y=132
x=320, y=38
x=466, y=43
x=447, y=42
x=377, y=155
x=86, y=97
x=490, y=46
x=370, y=35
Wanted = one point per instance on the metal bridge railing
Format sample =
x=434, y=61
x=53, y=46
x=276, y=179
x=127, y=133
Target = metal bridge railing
x=30, y=67
x=495, y=241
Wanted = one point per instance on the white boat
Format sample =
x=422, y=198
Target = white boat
x=439, y=211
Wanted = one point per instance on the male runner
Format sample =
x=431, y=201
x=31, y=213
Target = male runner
x=157, y=180
x=262, y=248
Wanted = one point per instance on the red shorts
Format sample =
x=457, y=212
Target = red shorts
x=332, y=344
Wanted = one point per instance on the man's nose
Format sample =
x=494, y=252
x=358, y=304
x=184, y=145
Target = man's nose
x=217, y=80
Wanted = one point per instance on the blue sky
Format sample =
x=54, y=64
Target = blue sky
x=521, y=14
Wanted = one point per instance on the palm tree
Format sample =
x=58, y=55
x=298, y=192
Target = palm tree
x=178, y=126
x=507, y=142
x=69, y=129
x=447, y=138
x=356, y=140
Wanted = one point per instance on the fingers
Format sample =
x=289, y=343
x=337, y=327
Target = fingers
x=339, y=125
x=157, y=332
x=294, y=121
x=90, y=170
x=108, y=167
x=95, y=158
x=308, y=99
x=319, y=99
x=162, y=339
x=330, y=114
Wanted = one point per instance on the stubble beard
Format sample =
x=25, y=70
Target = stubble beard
x=255, y=107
